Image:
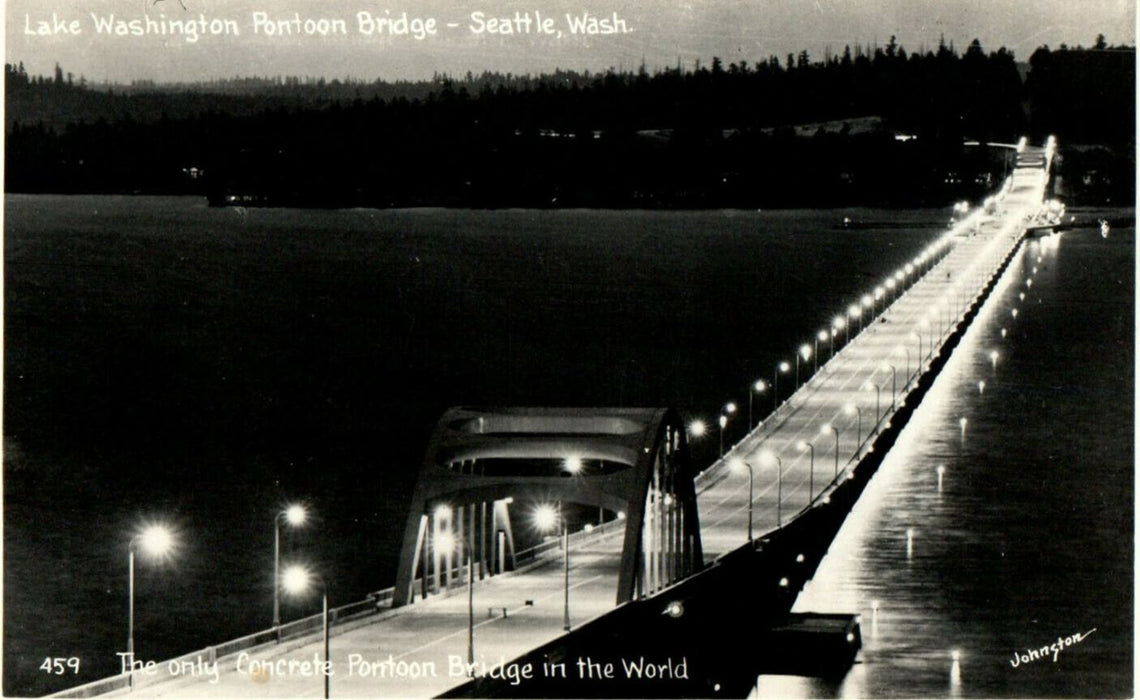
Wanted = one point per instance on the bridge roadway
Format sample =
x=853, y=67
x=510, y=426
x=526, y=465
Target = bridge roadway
x=517, y=612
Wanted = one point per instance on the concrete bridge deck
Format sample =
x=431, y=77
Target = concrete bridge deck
x=416, y=650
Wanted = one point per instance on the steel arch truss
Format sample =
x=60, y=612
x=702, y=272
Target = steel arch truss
x=480, y=461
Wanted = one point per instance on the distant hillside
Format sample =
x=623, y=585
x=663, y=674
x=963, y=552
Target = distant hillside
x=882, y=126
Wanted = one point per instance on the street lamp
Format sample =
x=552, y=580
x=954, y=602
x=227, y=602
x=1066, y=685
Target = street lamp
x=867, y=387
x=768, y=456
x=879, y=293
x=826, y=428
x=781, y=368
x=853, y=408
x=156, y=541
x=805, y=353
x=994, y=357
x=822, y=335
x=840, y=323
x=856, y=311
x=805, y=445
x=722, y=421
x=546, y=519
x=295, y=515
x=757, y=388
x=296, y=581
x=894, y=373
x=737, y=464
x=906, y=350
x=916, y=334
x=697, y=428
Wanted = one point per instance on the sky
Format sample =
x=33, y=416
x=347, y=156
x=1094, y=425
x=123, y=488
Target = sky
x=659, y=33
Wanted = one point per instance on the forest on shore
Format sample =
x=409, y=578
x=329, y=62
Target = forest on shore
x=869, y=126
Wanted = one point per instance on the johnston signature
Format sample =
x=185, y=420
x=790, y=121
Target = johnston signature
x=1053, y=650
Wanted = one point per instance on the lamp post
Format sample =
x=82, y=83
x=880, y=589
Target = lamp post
x=894, y=373
x=805, y=445
x=840, y=323
x=768, y=457
x=853, y=408
x=757, y=388
x=156, y=541
x=905, y=350
x=867, y=386
x=722, y=421
x=805, y=353
x=855, y=311
x=295, y=515
x=918, y=335
x=296, y=580
x=781, y=368
x=822, y=335
x=826, y=428
x=547, y=518
x=471, y=597
x=737, y=464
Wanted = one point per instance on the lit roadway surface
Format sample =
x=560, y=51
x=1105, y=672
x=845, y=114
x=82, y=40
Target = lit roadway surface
x=841, y=398
x=428, y=632
x=425, y=641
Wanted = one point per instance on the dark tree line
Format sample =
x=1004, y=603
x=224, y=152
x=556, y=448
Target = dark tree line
x=715, y=135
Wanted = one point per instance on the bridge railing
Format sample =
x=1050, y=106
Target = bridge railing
x=547, y=547
x=979, y=274
x=339, y=616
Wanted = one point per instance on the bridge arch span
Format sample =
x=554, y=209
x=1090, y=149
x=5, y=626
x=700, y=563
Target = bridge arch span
x=631, y=461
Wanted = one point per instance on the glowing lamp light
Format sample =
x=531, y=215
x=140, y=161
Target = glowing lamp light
x=784, y=367
x=825, y=428
x=573, y=465
x=730, y=408
x=784, y=582
x=156, y=540
x=445, y=542
x=296, y=579
x=822, y=335
x=698, y=428
x=760, y=386
x=621, y=515
x=839, y=322
x=805, y=351
x=854, y=311
x=443, y=511
x=545, y=517
x=723, y=420
x=675, y=609
x=296, y=515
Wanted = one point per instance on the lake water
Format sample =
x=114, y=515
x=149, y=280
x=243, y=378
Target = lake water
x=1029, y=539
x=203, y=366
